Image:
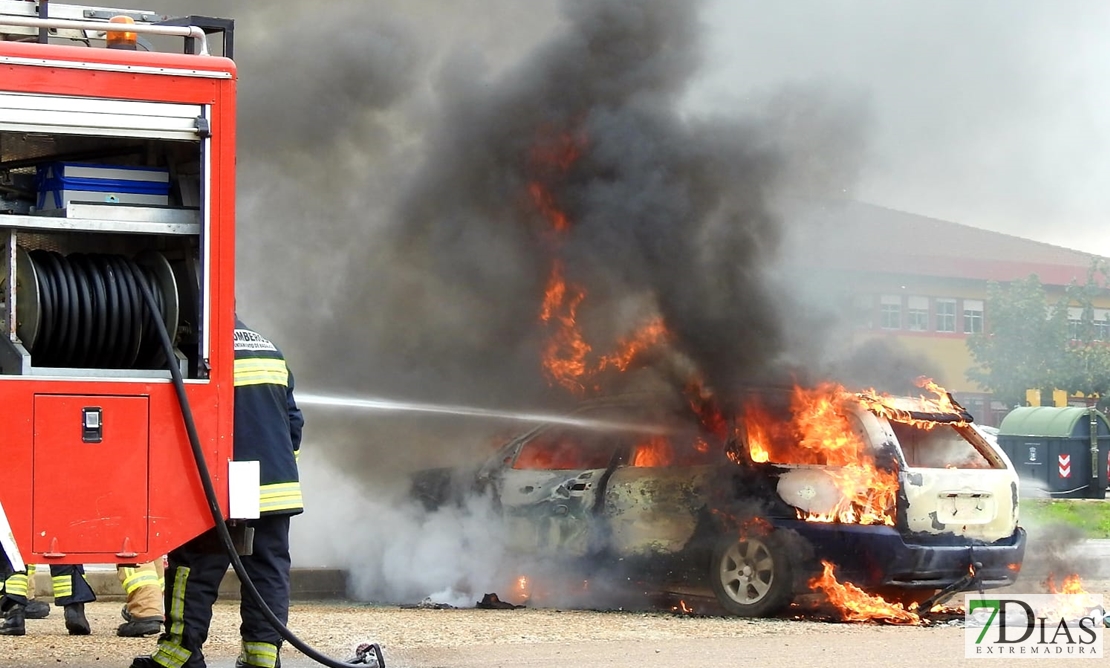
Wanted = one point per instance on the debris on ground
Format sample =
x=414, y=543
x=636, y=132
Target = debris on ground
x=427, y=604
x=368, y=654
x=493, y=602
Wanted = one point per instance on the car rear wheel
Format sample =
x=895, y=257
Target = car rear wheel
x=752, y=576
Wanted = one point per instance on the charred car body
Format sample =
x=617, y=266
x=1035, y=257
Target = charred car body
x=901, y=496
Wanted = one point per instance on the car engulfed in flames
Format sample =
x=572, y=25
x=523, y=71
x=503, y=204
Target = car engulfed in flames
x=774, y=492
x=903, y=496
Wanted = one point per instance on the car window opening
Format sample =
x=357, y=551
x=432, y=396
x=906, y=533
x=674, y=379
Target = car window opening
x=564, y=450
x=941, y=447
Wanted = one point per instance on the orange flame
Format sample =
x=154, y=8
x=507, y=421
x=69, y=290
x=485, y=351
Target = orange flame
x=545, y=202
x=655, y=451
x=900, y=409
x=682, y=608
x=818, y=432
x=566, y=352
x=1071, y=585
x=705, y=406
x=551, y=158
x=856, y=605
x=645, y=338
x=564, y=357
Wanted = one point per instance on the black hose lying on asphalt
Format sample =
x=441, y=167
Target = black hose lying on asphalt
x=214, y=505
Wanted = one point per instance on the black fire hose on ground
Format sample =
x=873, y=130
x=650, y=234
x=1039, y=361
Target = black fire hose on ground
x=367, y=653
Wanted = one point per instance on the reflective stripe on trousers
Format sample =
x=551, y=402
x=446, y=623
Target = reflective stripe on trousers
x=261, y=654
x=170, y=653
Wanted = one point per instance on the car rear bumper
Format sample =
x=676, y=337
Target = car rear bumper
x=880, y=556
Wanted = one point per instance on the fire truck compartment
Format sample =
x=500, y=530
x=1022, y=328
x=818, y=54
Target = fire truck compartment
x=111, y=193
x=74, y=436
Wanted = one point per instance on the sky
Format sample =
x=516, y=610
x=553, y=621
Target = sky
x=989, y=113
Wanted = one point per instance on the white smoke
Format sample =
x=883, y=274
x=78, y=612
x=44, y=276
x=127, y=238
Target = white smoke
x=393, y=550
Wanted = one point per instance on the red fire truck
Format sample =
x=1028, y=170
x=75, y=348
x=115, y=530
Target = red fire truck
x=117, y=233
x=117, y=171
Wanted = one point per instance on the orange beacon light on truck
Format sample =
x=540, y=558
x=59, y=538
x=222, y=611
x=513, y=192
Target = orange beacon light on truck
x=122, y=39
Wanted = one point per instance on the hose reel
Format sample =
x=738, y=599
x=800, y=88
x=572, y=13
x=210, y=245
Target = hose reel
x=85, y=310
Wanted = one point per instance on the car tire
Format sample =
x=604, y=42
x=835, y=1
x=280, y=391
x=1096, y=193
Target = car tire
x=752, y=576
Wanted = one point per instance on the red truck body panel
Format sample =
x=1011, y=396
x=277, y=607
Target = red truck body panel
x=135, y=494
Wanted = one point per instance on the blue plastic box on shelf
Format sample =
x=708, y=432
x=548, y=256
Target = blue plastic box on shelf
x=60, y=183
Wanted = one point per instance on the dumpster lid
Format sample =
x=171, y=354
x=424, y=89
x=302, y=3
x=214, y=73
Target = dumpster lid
x=1048, y=421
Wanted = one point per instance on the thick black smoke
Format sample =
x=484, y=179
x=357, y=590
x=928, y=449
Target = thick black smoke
x=389, y=240
x=386, y=229
x=667, y=214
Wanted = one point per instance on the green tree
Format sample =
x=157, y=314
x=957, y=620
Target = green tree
x=1086, y=366
x=1022, y=346
x=1030, y=343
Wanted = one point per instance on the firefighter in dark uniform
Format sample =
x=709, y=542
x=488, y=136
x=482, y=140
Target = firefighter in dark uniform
x=267, y=430
x=71, y=591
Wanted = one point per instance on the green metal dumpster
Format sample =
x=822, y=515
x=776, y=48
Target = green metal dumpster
x=1053, y=446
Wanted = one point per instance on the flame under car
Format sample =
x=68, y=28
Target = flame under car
x=685, y=508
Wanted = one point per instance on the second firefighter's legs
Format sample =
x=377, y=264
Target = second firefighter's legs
x=268, y=568
x=144, y=586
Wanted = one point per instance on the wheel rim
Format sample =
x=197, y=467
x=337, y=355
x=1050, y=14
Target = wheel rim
x=747, y=571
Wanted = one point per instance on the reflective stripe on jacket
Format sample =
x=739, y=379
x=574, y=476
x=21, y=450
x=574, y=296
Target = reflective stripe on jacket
x=267, y=421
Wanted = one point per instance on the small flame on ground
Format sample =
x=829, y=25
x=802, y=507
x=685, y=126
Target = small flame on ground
x=856, y=605
x=682, y=608
x=1072, y=585
x=1068, y=608
x=523, y=589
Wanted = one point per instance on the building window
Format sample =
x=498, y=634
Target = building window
x=890, y=313
x=1102, y=324
x=917, y=314
x=946, y=315
x=1075, y=322
x=973, y=316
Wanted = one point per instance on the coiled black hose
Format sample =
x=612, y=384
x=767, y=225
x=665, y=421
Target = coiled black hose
x=91, y=311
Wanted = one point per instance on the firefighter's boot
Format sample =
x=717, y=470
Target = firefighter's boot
x=239, y=663
x=140, y=627
x=15, y=624
x=36, y=609
x=76, y=623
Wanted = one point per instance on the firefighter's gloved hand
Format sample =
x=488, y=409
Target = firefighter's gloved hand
x=369, y=654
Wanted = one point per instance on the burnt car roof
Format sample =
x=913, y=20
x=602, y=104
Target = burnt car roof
x=909, y=409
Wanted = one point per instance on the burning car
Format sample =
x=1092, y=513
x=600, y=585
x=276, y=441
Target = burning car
x=903, y=496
